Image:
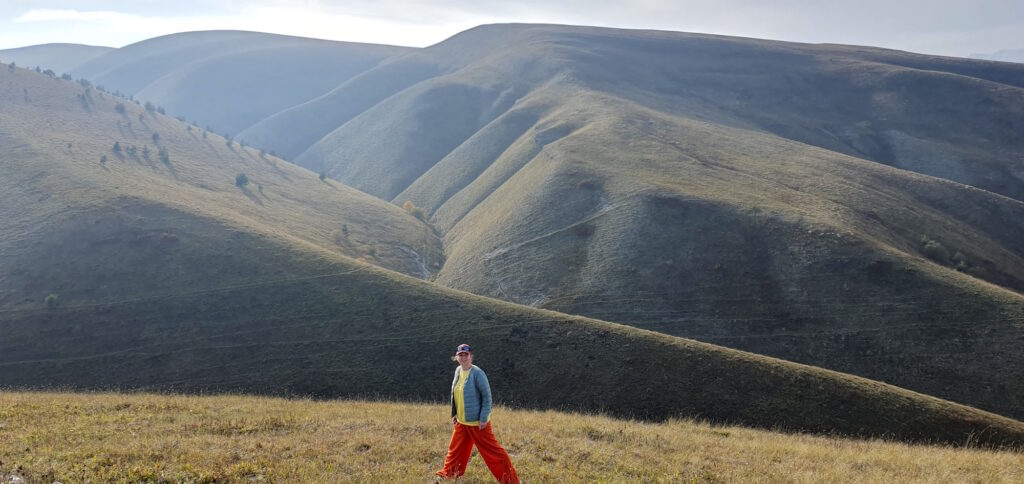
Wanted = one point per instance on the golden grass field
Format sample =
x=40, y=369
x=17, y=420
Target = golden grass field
x=111, y=437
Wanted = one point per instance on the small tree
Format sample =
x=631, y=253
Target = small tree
x=241, y=180
x=164, y=156
x=52, y=300
x=119, y=108
x=117, y=148
x=323, y=175
x=150, y=107
x=103, y=160
x=156, y=138
x=413, y=209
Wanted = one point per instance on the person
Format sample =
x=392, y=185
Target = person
x=471, y=416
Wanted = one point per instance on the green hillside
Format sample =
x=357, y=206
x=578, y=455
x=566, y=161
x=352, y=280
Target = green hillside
x=163, y=274
x=228, y=80
x=852, y=208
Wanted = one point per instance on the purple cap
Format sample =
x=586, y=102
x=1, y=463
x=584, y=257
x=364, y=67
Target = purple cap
x=463, y=348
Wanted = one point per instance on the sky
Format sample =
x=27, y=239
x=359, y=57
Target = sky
x=942, y=27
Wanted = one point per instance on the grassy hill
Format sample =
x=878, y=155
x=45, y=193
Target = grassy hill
x=228, y=80
x=163, y=274
x=132, y=438
x=853, y=208
x=61, y=58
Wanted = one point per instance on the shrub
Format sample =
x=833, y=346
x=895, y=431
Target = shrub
x=119, y=108
x=934, y=250
x=103, y=159
x=160, y=109
x=156, y=138
x=65, y=76
x=117, y=147
x=164, y=156
x=145, y=152
x=150, y=107
x=49, y=72
x=241, y=180
x=52, y=300
x=323, y=175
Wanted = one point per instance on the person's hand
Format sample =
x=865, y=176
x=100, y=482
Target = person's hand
x=455, y=419
x=483, y=424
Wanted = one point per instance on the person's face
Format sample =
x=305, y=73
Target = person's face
x=465, y=359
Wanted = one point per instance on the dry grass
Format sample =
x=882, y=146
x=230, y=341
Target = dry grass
x=131, y=438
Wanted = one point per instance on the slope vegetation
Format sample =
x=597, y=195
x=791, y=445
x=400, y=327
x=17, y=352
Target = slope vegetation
x=852, y=208
x=228, y=80
x=165, y=276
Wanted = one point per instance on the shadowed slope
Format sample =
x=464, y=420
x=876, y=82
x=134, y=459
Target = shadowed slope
x=153, y=290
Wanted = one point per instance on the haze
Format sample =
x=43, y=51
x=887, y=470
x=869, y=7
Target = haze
x=953, y=28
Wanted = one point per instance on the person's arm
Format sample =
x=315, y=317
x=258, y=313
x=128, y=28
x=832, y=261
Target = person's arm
x=485, y=398
x=454, y=411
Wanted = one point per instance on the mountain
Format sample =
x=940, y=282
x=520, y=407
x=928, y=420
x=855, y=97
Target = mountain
x=854, y=208
x=228, y=80
x=60, y=58
x=1004, y=55
x=167, y=272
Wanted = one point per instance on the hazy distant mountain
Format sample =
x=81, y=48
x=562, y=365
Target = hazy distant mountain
x=60, y=58
x=228, y=80
x=731, y=190
x=152, y=265
x=1005, y=55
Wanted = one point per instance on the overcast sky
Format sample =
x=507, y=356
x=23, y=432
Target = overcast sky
x=944, y=27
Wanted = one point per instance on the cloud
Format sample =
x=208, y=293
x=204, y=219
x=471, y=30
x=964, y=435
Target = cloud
x=57, y=15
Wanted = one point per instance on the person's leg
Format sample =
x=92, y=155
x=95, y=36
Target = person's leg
x=459, y=451
x=494, y=455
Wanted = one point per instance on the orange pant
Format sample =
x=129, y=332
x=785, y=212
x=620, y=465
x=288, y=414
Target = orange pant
x=461, y=448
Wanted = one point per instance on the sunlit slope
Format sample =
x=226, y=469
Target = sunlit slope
x=56, y=135
x=229, y=80
x=60, y=58
x=650, y=194
x=164, y=275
